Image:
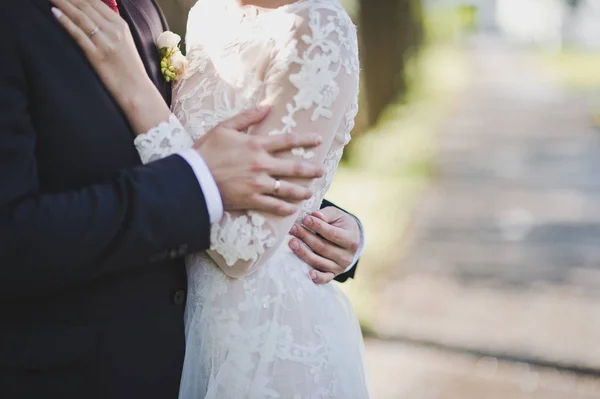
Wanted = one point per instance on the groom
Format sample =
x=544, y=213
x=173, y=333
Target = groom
x=91, y=242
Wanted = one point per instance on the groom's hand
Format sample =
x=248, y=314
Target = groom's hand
x=246, y=168
x=332, y=238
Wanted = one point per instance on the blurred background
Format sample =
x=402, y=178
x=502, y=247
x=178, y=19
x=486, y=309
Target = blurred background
x=475, y=169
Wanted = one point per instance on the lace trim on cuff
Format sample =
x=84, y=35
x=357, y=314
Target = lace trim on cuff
x=163, y=140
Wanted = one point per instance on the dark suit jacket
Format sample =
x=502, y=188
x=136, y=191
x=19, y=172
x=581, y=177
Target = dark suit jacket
x=91, y=242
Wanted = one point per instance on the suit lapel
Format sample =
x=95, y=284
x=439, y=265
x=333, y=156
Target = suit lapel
x=163, y=19
x=147, y=22
x=146, y=16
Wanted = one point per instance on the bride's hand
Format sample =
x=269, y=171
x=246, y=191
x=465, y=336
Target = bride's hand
x=106, y=41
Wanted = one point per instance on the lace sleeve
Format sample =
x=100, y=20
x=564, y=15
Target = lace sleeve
x=165, y=139
x=311, y=81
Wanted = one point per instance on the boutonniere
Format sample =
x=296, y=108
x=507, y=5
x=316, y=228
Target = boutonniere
x=173, y=64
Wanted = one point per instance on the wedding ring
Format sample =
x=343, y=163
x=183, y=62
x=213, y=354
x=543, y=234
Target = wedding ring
x=93, y=32
x=277, y=186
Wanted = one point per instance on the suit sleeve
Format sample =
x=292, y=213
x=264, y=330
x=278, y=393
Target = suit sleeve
x=342, y=278
x=49, y=241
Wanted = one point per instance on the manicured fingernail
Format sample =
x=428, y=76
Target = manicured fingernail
x=57, y=13
x=313, y=275
x=308, y=221
x=294, y=229
x=319, y=215
x=295, y=245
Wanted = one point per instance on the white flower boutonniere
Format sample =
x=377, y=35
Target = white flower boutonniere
x=173, y=64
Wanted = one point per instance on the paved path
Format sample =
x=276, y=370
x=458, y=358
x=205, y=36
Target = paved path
x=504, y=256
x=401, y=371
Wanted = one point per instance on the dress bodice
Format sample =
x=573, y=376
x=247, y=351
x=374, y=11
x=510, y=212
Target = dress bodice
x=302, y=60
x=229, y=48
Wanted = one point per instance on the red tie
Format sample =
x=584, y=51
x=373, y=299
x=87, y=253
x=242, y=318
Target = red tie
x=112, y=4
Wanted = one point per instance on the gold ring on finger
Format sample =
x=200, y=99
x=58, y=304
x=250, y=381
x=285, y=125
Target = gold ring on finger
x=93, y=32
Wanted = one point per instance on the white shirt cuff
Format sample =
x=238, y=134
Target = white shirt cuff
x=212, y=196
x=361, y=246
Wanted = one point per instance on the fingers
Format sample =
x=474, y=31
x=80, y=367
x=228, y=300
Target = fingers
x=324, y=248
x=81, y=38
x=272, y=205
x=244, y=120
x=331, y=233
x=82, y=14
x=290, y=191
x=321, y=278
x=289, y=168
x=314, y=260
x=287, y=142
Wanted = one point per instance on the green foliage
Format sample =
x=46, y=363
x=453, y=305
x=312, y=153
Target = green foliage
x=351, y=7
x=444, y=24
x=468, y=17
x=578, y=71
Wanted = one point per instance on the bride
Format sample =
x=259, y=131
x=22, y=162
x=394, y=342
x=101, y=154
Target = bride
x=256, y=325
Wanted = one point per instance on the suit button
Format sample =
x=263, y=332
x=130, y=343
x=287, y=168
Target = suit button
x=159, y=257
x=179, y=297
x=183, y=250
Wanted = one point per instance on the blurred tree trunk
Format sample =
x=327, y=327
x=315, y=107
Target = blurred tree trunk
x=390, y=30
x=176, y=12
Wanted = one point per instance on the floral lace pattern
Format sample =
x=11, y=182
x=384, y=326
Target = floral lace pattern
x=256, y=325
x=165, y=139
x=241, y=238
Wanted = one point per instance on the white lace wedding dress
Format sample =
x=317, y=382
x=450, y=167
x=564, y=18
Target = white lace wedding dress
x=256, y=325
